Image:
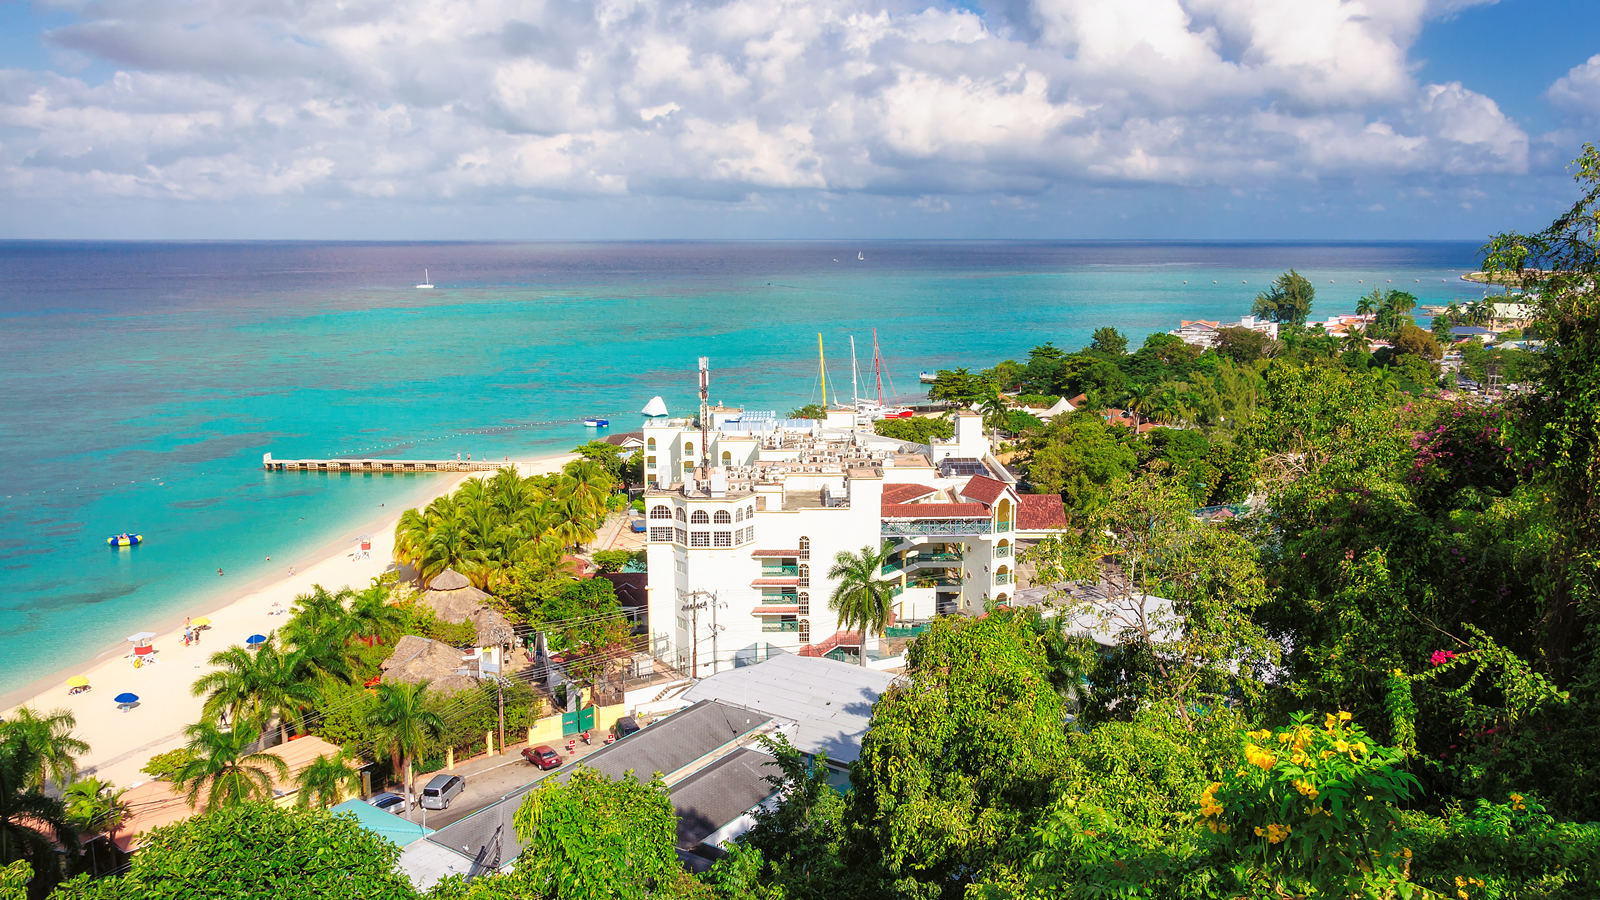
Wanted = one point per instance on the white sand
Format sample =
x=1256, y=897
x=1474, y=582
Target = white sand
x=122, y=742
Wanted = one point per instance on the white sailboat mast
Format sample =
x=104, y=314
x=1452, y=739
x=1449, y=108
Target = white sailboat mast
x=877, y=365
x=855, y=390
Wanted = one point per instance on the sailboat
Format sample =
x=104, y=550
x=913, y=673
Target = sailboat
x=866, y=406
x=426, y=285
x=859, y=256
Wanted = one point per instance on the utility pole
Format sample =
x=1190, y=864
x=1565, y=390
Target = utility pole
x=705, y=410
x=715, y=666
x=696, y=603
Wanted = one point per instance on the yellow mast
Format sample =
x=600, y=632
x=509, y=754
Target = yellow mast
x=822, y=370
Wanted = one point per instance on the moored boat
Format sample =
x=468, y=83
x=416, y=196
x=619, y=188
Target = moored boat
x=596, y=423
x=927, y=377
x=124, y=540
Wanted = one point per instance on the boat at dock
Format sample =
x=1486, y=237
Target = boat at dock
x=124, y=540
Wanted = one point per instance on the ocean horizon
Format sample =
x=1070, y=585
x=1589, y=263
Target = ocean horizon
x=146, y=379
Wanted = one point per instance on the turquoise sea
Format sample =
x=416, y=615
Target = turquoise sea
x=142, y=382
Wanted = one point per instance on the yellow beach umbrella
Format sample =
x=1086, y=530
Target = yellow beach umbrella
x=77, y=681
x=201, y=622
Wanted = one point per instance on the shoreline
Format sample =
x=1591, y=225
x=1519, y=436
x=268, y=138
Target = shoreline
x=118, y=739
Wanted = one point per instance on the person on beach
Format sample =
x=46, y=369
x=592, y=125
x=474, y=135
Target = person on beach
x=219, y=571
x=186, y=633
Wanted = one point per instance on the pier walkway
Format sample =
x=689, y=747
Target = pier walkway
x=401, y=466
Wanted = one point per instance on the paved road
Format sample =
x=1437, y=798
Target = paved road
x=489, y=778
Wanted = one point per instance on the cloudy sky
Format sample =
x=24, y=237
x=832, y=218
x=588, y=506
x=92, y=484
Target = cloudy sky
x=776, y=118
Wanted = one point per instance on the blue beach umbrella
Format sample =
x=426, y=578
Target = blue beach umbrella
x=255, y=639
x=125, y=701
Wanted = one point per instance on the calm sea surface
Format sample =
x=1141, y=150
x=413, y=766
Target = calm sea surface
x=141, y=383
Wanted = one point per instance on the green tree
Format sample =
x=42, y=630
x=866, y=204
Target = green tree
x=224, y=767
x=1369, y=303
x=1288, y=301
x=916, y=430
x=1245, y=345
x=1078, y=457
x=327, y=780
x=860, y=597
x=1109, y=341
x=256, y=850
x=31, y=822
x=52, y=747
x=956, y=386
x=401, y=724
x=809, y=411
x=256, y=687
x=1177, y=591
x=373, y=617
x=801, y=837
x=95, y=807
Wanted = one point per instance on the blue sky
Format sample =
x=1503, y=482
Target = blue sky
x=1313, y=119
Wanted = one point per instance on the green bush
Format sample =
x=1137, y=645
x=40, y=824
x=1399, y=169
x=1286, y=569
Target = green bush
x=165, y=766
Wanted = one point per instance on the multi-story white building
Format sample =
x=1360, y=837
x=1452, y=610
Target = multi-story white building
x=739, y=550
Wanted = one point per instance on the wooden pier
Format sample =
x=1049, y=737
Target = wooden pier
x=380, y=466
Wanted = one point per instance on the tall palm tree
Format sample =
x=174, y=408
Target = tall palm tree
x=1369, y=303
x=861, y=600
x=95, y=807
x=327, y=780
x=49, y=737
x=372, y=617
x=257, y=686
x=995, y=411
x=1139, y=400
x=31, y=822
x=401, y=723
x=224, y=768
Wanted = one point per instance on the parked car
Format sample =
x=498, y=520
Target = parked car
x=624, y=726
x=441, y=790
x=542, y=756
x=389, y=803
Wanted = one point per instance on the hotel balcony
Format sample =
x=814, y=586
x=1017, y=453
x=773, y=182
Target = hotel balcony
x=780, y=626
x=917, y=527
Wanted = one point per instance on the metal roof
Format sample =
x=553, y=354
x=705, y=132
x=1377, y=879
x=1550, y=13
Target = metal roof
x=720, y=793
x=829, y=701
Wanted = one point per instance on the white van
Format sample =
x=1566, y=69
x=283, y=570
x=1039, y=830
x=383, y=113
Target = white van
x=441, y=790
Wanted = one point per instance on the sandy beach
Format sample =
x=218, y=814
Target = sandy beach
x=122, y=742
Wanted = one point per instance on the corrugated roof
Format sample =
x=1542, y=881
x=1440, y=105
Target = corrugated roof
x=830, y=701
x=390, y=827
x=720, y=793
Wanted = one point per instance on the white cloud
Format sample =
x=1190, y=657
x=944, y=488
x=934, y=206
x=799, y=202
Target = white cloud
x=1578, y=91
x=422, y=99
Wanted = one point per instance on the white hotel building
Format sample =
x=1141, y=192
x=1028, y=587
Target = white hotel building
x=739, y=551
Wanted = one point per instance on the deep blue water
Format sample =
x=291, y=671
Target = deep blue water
x=142, y=382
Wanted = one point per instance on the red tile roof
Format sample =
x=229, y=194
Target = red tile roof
x=984, y=489
x=790, y=581
x=905, y=493
x=837, y=639
x=775, y=610
x=935, y=511
x=1040, y=512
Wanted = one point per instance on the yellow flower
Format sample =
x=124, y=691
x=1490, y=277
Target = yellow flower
x=1516, y=802
x=1330, y=722
x=1408, y=852
x=1275, y=833
x=1344, y=716
x=1341, y=746
x=1357, y=747
x=1306, y=788
x=1399, y=674
x=1284, y=737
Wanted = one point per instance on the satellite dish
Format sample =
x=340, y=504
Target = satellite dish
x=656, y=407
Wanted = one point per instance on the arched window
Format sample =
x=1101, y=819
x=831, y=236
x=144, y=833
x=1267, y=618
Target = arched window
x=805, y=603
x=805, y=548
x=650, y=444
x=738, y=514
x=750, y=512
x=678, y=513
x=721, y=517
x=805, y=575
x=688, y=448
x=699, y=517
x=727, y=458
x=660, y=512
x=805, y=632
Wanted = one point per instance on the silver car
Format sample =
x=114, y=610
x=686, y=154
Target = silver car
x=388, y=802
x=441, y=790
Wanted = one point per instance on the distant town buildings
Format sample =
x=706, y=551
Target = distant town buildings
x=1202, y=333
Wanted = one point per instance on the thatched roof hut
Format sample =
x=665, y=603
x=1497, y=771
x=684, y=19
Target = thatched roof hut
x=417, y=658
x=453, y=599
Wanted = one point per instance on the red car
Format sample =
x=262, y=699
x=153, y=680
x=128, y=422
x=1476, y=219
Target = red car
x=542, y=756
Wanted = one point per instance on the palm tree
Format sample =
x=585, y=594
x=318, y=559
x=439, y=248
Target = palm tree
x=860, y=599
x=402, y=723
x=327, y=780
x=1356, y=339
x=224, y=769
x=995, y=411
x=372, y=617
x=95, y=807
x=1480, y=312
x=1369, y=303
x=50, y=739
x=256, y=687
x=1139, y=400
x=31, y=822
